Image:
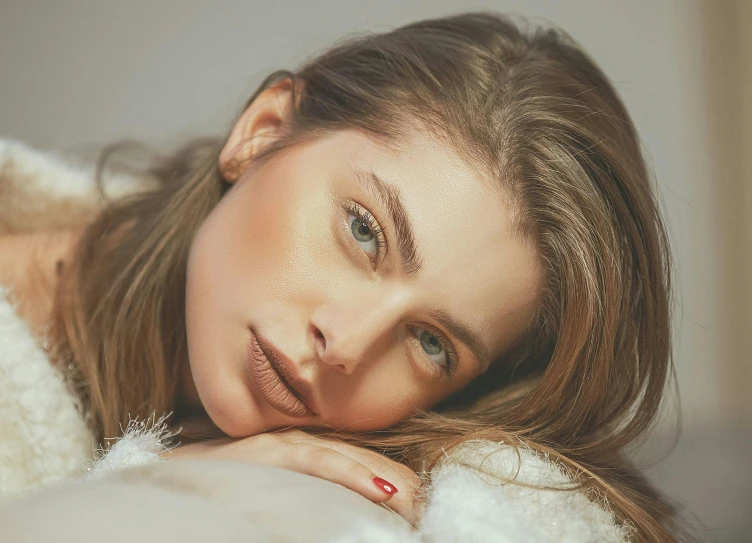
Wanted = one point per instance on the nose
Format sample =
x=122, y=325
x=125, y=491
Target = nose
x=346, y=331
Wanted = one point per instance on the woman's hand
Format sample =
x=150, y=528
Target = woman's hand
x=348, y=465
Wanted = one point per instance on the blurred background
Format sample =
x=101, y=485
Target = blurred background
x=77, y=74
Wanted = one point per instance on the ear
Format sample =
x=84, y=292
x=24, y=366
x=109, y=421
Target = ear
x=262, y=123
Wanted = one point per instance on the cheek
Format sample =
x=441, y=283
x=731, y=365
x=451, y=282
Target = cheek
x=270, y=224
x=386, y=393
x=285, y=225
x=296, y=258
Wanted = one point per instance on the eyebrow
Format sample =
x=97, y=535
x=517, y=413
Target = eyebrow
x=466, y=336
x=389, y=196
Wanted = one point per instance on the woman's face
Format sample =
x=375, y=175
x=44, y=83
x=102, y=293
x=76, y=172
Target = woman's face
x=387, y=279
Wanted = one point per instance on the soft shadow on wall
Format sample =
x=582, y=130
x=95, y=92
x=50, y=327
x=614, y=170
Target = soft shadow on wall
x=708, y=471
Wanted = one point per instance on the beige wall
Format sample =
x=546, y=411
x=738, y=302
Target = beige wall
x=728, y=84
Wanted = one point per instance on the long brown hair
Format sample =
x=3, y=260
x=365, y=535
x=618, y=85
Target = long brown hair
x=529, y=108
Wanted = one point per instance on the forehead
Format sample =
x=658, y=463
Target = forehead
x=474, y=265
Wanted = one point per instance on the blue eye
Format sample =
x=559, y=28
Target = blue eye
x=436, y=349
x=366, y=231
x=431, y=344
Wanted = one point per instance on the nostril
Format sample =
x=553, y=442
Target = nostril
x=319, y=338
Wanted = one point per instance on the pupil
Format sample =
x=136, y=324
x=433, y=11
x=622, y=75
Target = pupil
x=430, y=344
x=361, y=231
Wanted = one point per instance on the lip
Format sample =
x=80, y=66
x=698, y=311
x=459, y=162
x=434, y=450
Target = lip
x=277, y=379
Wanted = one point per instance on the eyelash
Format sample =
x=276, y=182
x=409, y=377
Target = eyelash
x=368, y=219
x=451, y=353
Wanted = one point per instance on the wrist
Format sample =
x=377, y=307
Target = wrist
x=179, y=452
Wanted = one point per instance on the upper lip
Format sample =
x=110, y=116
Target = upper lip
x=289, y=373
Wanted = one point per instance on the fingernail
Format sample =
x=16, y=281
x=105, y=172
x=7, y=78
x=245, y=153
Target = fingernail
x=386, y=486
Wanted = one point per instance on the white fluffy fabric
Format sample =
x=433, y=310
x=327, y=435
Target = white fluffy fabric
x=470, y=500
x=474, y=477
x=43, y=439
x=141, y=445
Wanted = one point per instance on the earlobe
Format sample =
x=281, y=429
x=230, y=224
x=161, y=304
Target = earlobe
x=263, y=122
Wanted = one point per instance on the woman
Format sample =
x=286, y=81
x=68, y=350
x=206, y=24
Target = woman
x=438, y=234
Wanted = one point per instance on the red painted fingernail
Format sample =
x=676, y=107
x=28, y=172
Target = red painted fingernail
x=386, y=486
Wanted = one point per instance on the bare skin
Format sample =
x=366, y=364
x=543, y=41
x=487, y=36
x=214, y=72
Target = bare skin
x=29, y=267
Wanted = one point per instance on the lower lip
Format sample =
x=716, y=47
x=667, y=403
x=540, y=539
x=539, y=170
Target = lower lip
x=270, y=383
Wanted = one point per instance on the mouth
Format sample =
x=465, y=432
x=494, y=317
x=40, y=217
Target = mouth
x=277, y=381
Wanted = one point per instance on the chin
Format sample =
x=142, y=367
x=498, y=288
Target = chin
x=222, y=408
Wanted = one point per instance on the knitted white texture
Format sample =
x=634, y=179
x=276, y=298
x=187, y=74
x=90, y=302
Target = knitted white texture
x=468, y=500
x=42, y=436
x=470, y=485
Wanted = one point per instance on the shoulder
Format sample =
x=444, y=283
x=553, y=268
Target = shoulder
x=505, y=494
x=29, y=267
x=48, y=190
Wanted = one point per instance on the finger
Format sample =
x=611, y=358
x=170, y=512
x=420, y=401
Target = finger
x=405, y=502
x=329, y=464
x=399, y=476
x=378, y=463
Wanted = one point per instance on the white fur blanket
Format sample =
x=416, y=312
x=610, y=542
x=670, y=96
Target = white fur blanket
x=43, y=440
